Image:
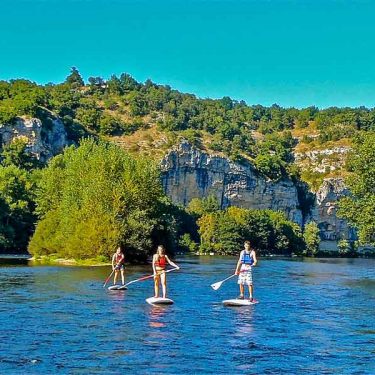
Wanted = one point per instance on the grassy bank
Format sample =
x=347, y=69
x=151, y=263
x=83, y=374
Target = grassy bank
x=54, y=260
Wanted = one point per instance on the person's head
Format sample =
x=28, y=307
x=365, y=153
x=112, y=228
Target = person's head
x=247, y=245
x=118, y=250
x=161, y=250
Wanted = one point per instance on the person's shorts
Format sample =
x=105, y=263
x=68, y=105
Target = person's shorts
x=120, y=267
x=246, y=276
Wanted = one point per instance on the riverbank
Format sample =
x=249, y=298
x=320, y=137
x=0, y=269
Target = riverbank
x=93, y=262
x=15, y=256
x=103, y=261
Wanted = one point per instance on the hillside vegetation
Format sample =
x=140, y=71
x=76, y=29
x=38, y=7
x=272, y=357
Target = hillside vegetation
x=148, y=119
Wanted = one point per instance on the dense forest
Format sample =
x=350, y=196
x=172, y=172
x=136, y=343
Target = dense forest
x=119, y=108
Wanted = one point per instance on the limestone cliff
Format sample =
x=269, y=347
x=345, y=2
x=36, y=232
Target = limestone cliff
x=332, y=228
x=190, y=173
x=43, y=141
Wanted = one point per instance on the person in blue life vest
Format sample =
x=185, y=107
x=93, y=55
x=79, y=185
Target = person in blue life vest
x=118, y=265
x=246, y=261
x=159, y=264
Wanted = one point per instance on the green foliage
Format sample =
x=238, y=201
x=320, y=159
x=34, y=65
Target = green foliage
x=17, y=190
x=109, y=125
x=344, y=247
x=359, y=209
x=88, y=114
x=74, y=79
x=199, y=207
x=17, y=194
x=312, y=238
x=94, y=197
x=20, y=97
x=15, y=153
x=187, y=243
x=223, y=232
x=269, y=165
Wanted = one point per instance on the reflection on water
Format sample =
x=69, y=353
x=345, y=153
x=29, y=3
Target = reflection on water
x=156, y=316
x=314, y=317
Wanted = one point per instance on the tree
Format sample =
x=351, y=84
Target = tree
x=312, y=238
x=359, y=208
x=223, y=232
x=74, y=79
x=94, y=197
x=17, y=218
x=206, y=205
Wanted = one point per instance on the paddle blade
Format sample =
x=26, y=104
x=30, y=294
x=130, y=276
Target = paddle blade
x=216, y=286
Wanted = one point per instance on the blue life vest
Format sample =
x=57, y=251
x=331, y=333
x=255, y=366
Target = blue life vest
x=247, y=258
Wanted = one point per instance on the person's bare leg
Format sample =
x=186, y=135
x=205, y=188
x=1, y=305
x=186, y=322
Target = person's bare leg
x=251, y=291
x=163, y=277
x=123, y=277
x=241, y=290
x=115, y=278
x=156, y=287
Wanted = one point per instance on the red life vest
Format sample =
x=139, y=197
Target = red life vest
x=119, y=259
x=161, y=262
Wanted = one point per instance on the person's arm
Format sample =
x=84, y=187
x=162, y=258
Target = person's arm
x=113, y=262
x=255, y=259
x=237, y=272
x=171, y=263
x=153, y=264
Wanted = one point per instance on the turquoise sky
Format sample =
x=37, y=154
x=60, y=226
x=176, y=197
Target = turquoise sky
x=290, y=52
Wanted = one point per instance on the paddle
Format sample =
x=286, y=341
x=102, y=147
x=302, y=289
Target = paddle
x=149, y=276
x=107, y=279
x=217, y=285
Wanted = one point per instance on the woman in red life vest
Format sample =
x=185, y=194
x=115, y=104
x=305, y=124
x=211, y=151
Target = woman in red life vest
x=118, y=260
x=159, y=263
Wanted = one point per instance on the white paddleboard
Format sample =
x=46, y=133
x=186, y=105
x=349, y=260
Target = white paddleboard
x=239, y=302
x=117, y=287
x=159, y=301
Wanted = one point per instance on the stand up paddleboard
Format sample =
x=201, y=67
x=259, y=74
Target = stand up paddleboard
x=159, y=301
x=117, y=287
x=239, y=302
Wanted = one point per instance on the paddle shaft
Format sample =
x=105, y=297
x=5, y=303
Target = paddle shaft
x=218, y=284
x=148, y=277
x=107, y=279
x=228, y=278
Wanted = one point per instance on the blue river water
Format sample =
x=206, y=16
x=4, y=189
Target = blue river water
x=315, y=316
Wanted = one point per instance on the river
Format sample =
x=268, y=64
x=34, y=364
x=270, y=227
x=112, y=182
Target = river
x=315, y=316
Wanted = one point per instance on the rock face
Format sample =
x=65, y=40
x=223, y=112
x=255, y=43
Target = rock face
x=322, y=160
x=189, y=173
x=332, y=228
x=42, y=141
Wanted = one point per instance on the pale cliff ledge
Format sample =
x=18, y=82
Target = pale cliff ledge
x=190, y=173
x=43, y=141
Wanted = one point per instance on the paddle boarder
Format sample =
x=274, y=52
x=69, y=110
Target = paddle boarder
x=118, y=265
x=246, y=261
x=159, y=264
